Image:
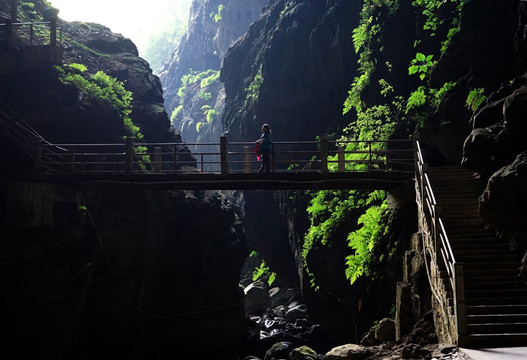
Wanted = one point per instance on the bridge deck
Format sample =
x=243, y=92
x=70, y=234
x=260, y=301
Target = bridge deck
x=241, y=181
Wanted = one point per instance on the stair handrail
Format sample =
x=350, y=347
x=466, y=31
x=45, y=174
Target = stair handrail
x=27, y=139
x=442, y=247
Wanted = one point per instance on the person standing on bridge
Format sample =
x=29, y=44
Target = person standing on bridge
x=265, y=148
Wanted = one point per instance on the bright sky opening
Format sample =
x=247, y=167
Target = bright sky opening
x=135, y=19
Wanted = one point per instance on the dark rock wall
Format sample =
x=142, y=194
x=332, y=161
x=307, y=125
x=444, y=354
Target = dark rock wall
x=303, y=51
x=154, y=276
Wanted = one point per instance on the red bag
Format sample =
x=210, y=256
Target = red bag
x=257, y=152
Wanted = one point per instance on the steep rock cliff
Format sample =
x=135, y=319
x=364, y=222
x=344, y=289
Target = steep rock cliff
x=110, y=272
x=62, y=114
x=291, y=70
x=213, y=26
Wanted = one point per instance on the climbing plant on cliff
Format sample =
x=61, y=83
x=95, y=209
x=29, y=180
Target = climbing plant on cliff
x=103, y=88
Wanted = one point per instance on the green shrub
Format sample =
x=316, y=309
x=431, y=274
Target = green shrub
x=103, y=88
x=475, y=98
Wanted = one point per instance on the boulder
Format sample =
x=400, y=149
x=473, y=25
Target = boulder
x=385, y=331
x=257, y=299
x=414, y=351
x=280, y=350
x=297, y=312
x=502, y=204
x=304, y=353
x=347, y=352
x=514, y=109
x=489, y=115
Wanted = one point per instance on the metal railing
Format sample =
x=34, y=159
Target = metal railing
x=226, y=158
x=16, y=130
x=30, y=34
x=444, y=256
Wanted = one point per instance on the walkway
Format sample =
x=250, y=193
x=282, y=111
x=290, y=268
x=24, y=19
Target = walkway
x=514, y=353
x=298, y=165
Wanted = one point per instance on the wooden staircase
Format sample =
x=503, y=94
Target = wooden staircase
x=495, y=296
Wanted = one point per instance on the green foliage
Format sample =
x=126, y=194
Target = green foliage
x=76, y=68
x=200, y=125
x=203, y=95
x=422, y=65
x=288, y=6
x=209, y=113
x=417, y=98
x=218, y=16
x=263, y=271
x=364, y=240
x=475, y=98
x=210, y=79
x=453, y=31
x=254, y=87
x=176, y=113
x=204, y=78
x=386, y=88
x=103, y=88
x=437, y=96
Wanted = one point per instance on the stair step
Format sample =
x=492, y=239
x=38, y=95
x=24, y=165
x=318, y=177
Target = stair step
x=492, y=340
x=492, y=328
x=496, y=309
x=493, y=265
x=486, y=283
x=477, y=246
x=486, y=293
x=475, y=273
x=495, y=301
x=476, y=257
x=496, y=318
x=485, y=251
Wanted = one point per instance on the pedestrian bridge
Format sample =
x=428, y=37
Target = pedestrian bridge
x=298, y=165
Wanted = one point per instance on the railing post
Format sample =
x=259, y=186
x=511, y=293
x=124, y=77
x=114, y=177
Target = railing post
x=31, y=34
x=224, y=159
x=247, y=159
x=324, y=153
x=341, y=159
x=175, y=158
x=157, y=160
x=37, y=164
x=424, y=169
x=128, y=155
x=435, y=221
x=73, y=150
x=459, y=299
x=53, y=32
x=370, y=157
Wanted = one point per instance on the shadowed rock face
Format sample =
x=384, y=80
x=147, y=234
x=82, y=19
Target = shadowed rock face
x=207, y=39
x=154, y=276
x=299, y=52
